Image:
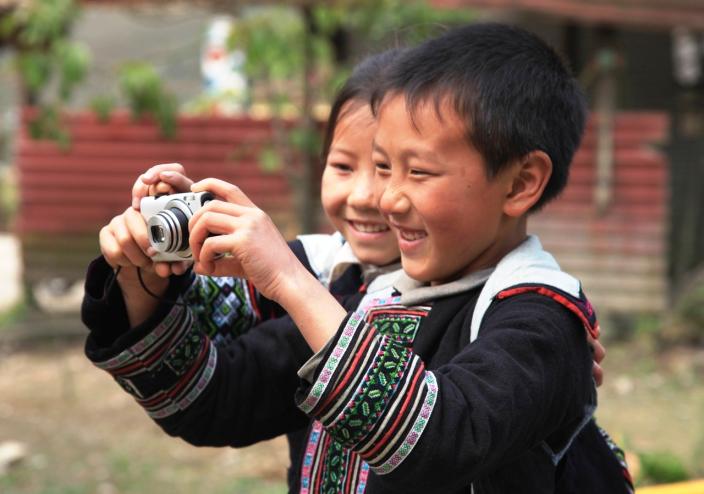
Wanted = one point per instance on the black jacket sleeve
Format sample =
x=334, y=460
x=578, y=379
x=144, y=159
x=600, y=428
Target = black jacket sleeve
x=206, y=368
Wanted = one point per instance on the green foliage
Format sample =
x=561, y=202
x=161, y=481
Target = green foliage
x=272, y=40
x=294, y=55
x=685, y=325
x=146, y=95
x=662, y=468
x=691, y=307
x=398, y=20
x=73, y=61
x=306, y=140
x=103, y=107
x=38, y=33
x=269, y=160
x=647, y=325
x=13, y=314
x=9, y=196
x=39, y=22
x=35, y=69
x=47, y=125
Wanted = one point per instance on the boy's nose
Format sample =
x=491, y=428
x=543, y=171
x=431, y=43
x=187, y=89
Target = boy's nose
x=393, y=201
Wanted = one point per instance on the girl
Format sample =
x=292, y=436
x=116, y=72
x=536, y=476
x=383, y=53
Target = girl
x=219, y=366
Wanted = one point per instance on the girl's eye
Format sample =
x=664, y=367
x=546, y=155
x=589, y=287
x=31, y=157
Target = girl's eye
x=341, y=167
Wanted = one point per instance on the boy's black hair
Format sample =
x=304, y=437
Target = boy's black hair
x=513, y=92
x=359, y=87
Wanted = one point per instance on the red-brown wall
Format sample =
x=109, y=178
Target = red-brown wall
x=67, y=195
x=620, y=254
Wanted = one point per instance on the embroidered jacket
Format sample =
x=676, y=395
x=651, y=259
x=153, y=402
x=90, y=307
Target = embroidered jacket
x=405, y=399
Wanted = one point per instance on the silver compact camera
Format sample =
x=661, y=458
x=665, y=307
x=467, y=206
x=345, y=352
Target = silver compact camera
x=167, y=219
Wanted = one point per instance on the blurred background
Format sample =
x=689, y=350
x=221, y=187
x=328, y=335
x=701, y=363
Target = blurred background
x=93, y=92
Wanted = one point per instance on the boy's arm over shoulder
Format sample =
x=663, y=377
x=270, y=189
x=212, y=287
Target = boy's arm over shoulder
x=525, y=380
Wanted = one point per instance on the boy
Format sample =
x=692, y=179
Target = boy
x=473, y=374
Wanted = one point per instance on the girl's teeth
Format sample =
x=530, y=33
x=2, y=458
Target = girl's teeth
x=369, y=227
x=406, y=235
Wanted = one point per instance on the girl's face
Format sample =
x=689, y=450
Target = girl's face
x=347, y=190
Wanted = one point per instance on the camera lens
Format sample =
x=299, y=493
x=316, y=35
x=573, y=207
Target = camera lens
x=169, y=230
x=158, y=234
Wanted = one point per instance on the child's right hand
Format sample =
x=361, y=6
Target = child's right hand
x=124, y=243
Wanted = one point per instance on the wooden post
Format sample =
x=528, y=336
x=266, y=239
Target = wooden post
x=605, y=108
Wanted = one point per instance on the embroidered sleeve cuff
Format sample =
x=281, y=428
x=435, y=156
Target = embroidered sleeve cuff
x=371, y=392
x=103, y=311
x=169, y=368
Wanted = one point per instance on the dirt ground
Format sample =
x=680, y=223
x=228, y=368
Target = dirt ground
x=84, y=435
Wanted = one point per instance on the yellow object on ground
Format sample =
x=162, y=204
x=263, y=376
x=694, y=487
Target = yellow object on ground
x=693, y=487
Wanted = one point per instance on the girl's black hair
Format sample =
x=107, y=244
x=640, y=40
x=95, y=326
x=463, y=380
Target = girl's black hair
x=365, y=79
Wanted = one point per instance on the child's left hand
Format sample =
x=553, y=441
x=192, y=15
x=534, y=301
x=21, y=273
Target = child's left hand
x=233, y=225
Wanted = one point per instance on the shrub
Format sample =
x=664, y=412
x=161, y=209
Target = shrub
x=662, y=468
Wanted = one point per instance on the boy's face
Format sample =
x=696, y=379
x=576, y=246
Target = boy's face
x=433, y=190
x=347, y=189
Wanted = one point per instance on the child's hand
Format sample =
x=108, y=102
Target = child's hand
x=234, y=225
x=598, y=353
x=167, y=178
x=124, y=243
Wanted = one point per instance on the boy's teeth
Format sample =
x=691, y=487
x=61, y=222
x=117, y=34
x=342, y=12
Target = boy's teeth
x=369, y=227
x=415, y=235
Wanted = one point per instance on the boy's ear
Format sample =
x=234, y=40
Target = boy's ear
x=529, y=177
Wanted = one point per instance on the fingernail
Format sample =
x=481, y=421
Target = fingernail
x=151, y=251
x=167, y=174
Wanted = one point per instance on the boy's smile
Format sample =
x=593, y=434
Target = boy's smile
x=433, y=189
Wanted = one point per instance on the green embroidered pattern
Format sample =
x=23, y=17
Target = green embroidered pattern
x=221, y=306
x=180, y=358
x=381, y=381
x=335, y=468
x=398, y=328
x=397, y=324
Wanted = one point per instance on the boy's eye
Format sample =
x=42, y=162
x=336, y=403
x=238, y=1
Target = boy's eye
x=420, y=172
x=382, y=167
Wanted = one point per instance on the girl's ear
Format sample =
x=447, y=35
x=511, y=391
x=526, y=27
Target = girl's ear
x=530, y=176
